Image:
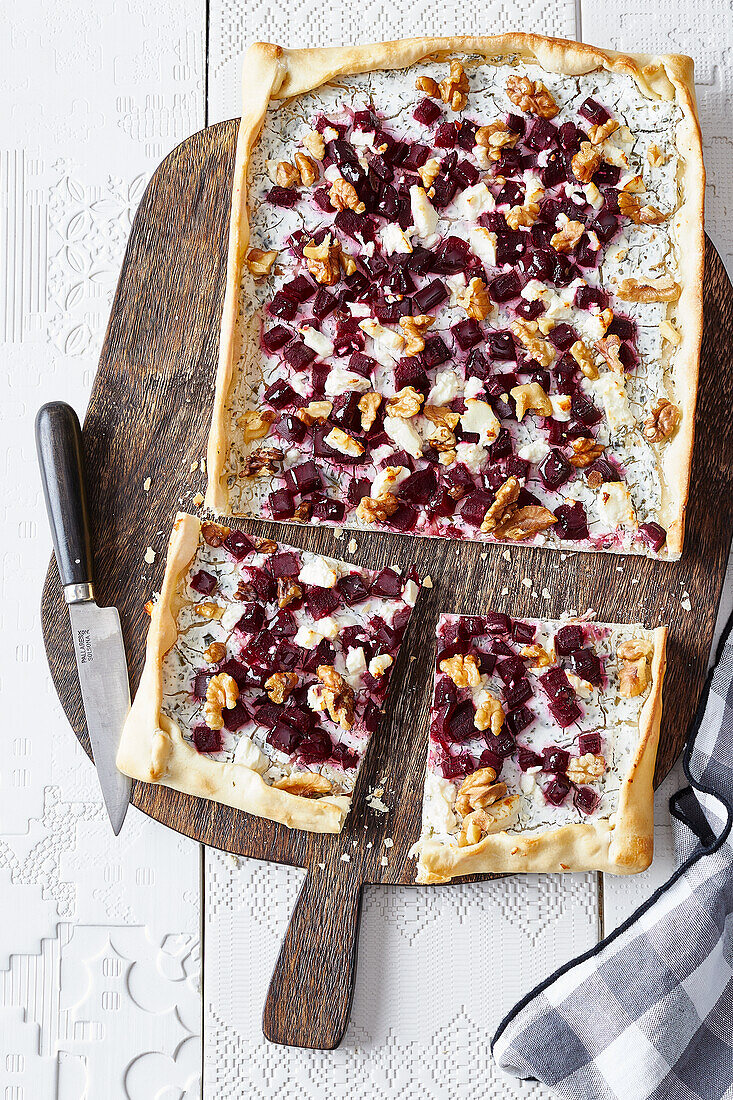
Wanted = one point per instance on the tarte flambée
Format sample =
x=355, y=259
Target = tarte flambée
x=543, y=738
x=464, y=286
x=266, y=668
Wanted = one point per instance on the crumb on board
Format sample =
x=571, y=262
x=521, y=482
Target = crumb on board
x=384, y=861
x=352, y=546
x=427, y=582
x=506, y=555
x=146, y=485
x=546, y=594
x=346, y=858
x=149, y=556
x=198, y=500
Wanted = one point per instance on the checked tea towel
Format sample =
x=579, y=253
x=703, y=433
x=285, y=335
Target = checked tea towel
x=648, y=1013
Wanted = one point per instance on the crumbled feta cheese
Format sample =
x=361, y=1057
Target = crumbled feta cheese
x=359, y=309
x=614, y=505
x=438, y=805
x=340, y=380
x=379, y=665
x=250, y=756
x=409, y=594
x=386, y=344
x=342, y=441
x=308, y=637
x=387, y=479
x=424, y=216
x=332, y=173
x=446, y=387
x=472, y=455
x=473, y=387
x=402, y=433
x=483, y=244
x=533, y=452
x=612, y=392
x=394, y=239
x=318, y=571
x=315, y=340
x=474, y=201
x=480, y=418
x=561, y=403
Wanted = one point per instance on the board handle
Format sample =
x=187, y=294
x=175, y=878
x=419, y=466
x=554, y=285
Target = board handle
x=312, y=985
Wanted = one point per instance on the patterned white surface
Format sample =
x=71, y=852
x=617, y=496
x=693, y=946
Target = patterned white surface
x=99, y=989
x=99, y=967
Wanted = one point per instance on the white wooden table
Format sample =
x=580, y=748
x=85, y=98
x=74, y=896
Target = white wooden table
x=136, y=968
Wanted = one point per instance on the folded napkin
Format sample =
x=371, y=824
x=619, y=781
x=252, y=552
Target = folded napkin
x=648, y=1012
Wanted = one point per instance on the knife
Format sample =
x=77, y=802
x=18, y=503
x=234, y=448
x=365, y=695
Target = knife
x=98, y=645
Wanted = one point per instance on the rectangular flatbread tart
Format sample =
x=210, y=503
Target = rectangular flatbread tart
x=266, y=669
x=464, y=286
x=543, y=738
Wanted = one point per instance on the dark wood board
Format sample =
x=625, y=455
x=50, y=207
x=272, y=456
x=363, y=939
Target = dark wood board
x=148, y=417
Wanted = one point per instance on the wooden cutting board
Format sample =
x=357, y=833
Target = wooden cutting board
x=148, y=418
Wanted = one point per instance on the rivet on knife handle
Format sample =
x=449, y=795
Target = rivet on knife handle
x=61, y=458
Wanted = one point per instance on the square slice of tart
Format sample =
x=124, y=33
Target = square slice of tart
x=265, y=671
x=464, y=293
x=543, y=738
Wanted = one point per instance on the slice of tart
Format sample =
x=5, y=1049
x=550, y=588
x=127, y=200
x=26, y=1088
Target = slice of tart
x=465, y=293
x=266, y=668
x=543, y=738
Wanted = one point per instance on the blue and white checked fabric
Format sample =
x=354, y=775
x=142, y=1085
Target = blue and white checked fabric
x=648, y=1013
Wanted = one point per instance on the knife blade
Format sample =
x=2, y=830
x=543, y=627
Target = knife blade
x=98, y=645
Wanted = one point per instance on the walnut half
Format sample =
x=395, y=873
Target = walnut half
x=531, y=96
x=221, y=691
x=633, y=667
x=662, y=421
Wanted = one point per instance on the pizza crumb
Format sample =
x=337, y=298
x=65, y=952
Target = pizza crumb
x=370, y=844
x=146, y=485
x=534, y=593
x=686, y=604
x=198, y=500
x=384, y=861
x=527, y=582
x=346, y=858
x=388, y=842
x=505, y=591
x=374, y=800
x=506, y=555
x=338, y=532
x=546, y=594
x=484, y=556
x=352, y=546
x=149, y=556
x=193, y=467
x=202, y=465
x=427, y=582
x=321, y=866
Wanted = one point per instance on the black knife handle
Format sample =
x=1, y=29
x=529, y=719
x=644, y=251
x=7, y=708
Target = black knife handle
x=61, y=458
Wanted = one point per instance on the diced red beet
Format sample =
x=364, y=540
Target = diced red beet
x=586, y=799
x=387, y=583
x=282, y=505
x=344, y=757
x=562, y=336
x=408, y=372
x=594, y=112
x=452, y=255
x=324, y=303
x=475, y=506
x=419, y=487
x=504, y=745
x=557, y=791
x=238, y=672
x=555, y=469
x=328, y=509
x=467, y=333
x=569, y=638
x=283, y=625
x=251, y=619
x=416, y=156
x=502, y=288
x=565, y=711
x=404, y=519
x=316, y=748
x=427, y=112
x=435, y=351
x=487, y=663
x=370, y=717
x=352, y=589
x=654, y=535
x=282, y=306
x=589, y=742
x=284, y=738
x=321, y=601
x=322, y=654
x=530, y=311
x=556, y=684
x=516, y=693
x=523, y=632
x=238, y=545
x=571, y=522
x=203, y=582
x=304, y=478
x=279, y=394
x=275, y=338
x=491, y=759
x=445, y=693
x=623, y=327
x=586, y=665
x=497, y=623
x=445, y=135
x=527, y=759
x=300, y=289
x=206, y=740
x=200, y=684
x=346, y=413
x=441, y=504
x=283, y=196
x=292, y=429
x=511, y=669
x=431, y=295
x=460, y=722
x=298, y=355
x=555, y=759
x=235, y=718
